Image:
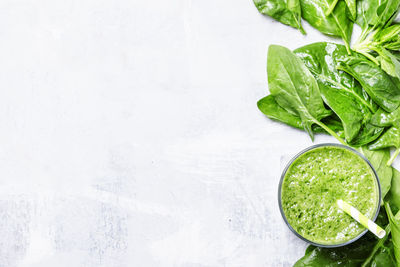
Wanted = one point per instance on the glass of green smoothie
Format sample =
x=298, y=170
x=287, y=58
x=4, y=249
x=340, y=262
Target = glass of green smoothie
x=314, y=180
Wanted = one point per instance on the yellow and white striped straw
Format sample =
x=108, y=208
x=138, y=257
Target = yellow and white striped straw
x=359, y=217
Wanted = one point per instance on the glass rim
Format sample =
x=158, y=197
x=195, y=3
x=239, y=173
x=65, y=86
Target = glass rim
x=280, y=192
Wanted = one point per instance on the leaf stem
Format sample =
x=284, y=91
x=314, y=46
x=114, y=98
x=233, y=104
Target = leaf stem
x=369, y=56
x=393, y=157
x=302, y=30
x=365, y=44
x=347, y=45
x=331, y=8
x=363, y=36
x=299, y=26
x=326, y=128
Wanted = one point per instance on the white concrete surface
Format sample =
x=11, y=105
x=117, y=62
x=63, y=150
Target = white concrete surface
x=130, y=136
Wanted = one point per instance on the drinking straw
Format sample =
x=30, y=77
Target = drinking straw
x=361, y=218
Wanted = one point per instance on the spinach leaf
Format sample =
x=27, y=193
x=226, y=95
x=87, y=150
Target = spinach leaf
x=378, y=159
x=286, y=11
x=381, y=87
x=366, y=12
x=378, y=39
x=382, y=252
x=389, y=62
x=380, y=47
x=392, y=136
x=388, y=37
x=333, y=123
x=384, y=256
x=385, y=13
x=269, y=107
x=339, y=90
x=388, y=139
x=272, y=110
x=367, y=134
x=335, y=24
x=295, y=88
x=382, y=118
x=394, y=194
x=373, y=14
x=344, y=256
x=394, y=222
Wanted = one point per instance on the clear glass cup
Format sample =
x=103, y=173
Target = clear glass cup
x=280, y=191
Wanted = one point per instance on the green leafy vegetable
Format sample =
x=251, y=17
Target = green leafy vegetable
x=270, y=107
x=384, y=255
x=395, y=229
x=394, y=193
x=367, y=134
x=366, y=13
x=381, y=252
x=333, y=123
x=380, y=86
x=383, y=118
x=375, y=14
x=335, y=24
x=349, y=256
x=385, y=13
x=338, y=89
x=388, y=38
x=295, y=88
x=392, y=136
x=389, y=62
x=378, y=160
x=272, y=110
x=379, y=40
x=286, y=11
x=381, y=47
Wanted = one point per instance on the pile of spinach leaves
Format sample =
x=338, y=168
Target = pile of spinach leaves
x=359, y=87
x=321, y=89
x=351, y=93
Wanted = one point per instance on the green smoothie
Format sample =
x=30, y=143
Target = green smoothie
x=313, y=183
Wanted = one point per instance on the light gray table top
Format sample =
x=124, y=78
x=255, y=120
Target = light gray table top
x=130, y=135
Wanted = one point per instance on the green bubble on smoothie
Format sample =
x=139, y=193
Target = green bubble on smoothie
x=313, y=183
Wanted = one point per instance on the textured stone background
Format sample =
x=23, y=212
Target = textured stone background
x=129, y=135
